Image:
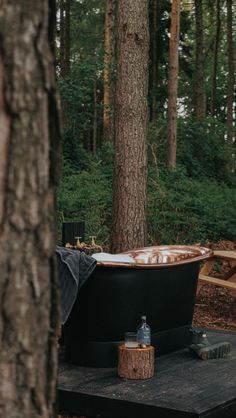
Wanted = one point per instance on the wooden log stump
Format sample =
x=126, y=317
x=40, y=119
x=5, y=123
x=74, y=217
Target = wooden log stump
x=136, y=363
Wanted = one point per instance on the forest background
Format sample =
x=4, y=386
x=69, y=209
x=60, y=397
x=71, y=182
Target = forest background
x=195, y=201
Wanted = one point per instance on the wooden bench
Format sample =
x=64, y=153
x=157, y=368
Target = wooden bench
x=228, y=280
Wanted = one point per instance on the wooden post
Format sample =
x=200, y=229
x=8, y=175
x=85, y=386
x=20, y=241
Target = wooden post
x=136, y=363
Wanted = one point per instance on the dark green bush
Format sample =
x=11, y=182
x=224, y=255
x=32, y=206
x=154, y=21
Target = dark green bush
x=187, y=210
x=87, y=196
x=181, y=209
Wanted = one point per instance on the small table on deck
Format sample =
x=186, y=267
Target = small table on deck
x=183, y=387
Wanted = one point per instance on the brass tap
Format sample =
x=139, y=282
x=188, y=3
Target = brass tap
x=94, y=245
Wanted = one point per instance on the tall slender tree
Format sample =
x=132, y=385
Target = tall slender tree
x=29, y=133
x=215, y=58
x=67, y=37
x=131, y=115
x=108, y=78
x=65, y=7
x=199, y=84
x=230, y=79
x=95, y=118
x=62, y=34
x=173, y=85
x=154, y=52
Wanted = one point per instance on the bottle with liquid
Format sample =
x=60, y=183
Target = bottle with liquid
x=144, y=333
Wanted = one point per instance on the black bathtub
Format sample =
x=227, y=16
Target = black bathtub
x=160, y=283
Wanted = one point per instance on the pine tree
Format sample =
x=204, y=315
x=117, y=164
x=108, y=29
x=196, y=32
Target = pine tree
x=131, y=115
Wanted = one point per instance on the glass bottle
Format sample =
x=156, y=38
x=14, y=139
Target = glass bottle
x=144, y=333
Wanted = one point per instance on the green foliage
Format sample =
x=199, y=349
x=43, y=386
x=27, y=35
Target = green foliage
x=181, y=209
x=185, y=206
x=77, y=96
x=201, y=148
x=186, y=210
x=86, y=195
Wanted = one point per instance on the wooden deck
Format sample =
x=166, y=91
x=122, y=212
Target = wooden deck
x=183, y=386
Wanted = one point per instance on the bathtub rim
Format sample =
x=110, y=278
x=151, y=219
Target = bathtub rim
x=135, y=265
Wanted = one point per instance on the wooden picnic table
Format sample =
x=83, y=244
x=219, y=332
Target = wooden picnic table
x=228, y=280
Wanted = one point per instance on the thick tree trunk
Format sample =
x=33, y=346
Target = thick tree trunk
x=29, y=136
x=173, y=85
x=131, y=115
x=199, y=89
x=215, y=59
x=230, y=81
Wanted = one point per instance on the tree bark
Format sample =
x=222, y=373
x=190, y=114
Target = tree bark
x=199, y=89
x=62, y=35
x=136, y=363
x=215, y=59
x=154, y=60
x=230, y=79
x=108, y=76
x=29, y=133
x=131, y=116
x=65, y=37
x=95, y=117
x=173, y=85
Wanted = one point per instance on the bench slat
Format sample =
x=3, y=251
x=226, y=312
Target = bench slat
x=217, y=282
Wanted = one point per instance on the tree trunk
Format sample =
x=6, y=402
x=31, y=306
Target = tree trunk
x=67, y=38
x=154, y=61
x=95, y=117
x=215, y=59
x=136, y=363
x=109, y=57
x=230, y=80
x=29, y=135
x=62, y=36
x=131, y=116
x=199, y=90
x=173, y=85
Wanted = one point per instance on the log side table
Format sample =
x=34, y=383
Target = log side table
x=136, y=363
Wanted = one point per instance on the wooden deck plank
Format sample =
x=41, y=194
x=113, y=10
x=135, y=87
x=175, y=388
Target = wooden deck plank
x=183, y=386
